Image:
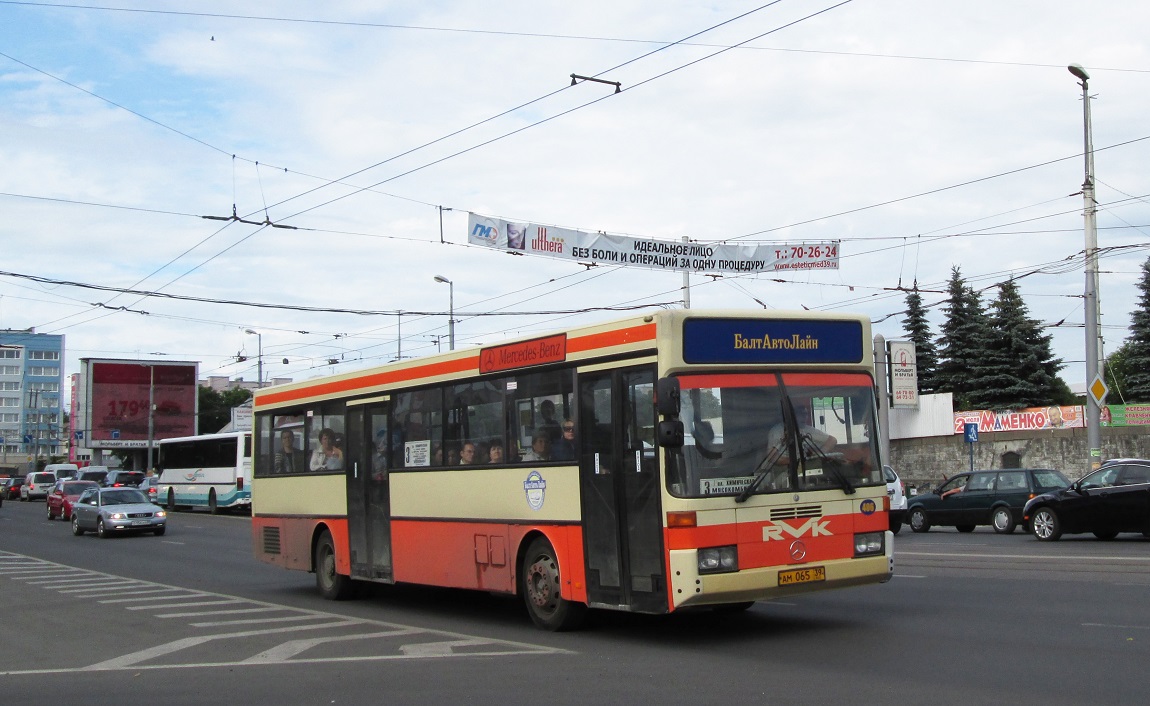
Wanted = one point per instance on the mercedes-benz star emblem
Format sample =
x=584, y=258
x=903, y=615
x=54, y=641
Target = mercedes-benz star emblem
x=798, y=550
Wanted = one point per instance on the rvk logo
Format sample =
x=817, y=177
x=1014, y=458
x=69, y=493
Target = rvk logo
x=813, y=527
x=535, y=488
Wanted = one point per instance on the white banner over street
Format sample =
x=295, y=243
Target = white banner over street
x=600, y=248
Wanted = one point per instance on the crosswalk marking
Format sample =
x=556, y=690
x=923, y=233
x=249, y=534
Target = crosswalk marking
x=376, y=640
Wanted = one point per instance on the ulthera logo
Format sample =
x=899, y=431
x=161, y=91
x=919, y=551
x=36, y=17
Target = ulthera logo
x=813, y=527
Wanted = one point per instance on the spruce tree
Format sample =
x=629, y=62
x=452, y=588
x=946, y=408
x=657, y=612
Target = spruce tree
x=1018, y=367
x=925, y=354
x=1138, y=344
x=960, y=340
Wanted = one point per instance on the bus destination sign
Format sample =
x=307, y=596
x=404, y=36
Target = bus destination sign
x=772, y=341
x=525, y=354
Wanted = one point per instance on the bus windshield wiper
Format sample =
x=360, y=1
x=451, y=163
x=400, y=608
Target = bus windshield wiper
x=830, y=464
x=763, y=469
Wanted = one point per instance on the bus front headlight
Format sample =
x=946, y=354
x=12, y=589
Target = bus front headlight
x=719, y=560
x=869, y=543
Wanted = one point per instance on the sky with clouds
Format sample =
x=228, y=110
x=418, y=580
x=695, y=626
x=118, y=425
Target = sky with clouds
x=923, y=136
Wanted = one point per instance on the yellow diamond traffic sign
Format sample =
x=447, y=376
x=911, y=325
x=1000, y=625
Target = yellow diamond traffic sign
x=1098, y=390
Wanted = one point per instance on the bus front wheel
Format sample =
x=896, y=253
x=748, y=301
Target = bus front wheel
x=171, y=500
x=212, y=507
x=332, y=585
x=540, y=584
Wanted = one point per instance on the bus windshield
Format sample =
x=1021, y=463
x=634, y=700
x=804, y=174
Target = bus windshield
x=775, y=432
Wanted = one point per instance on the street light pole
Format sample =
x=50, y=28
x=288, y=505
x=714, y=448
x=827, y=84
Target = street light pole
x=450, y=310
x=259, y=356
x=151, y=412
x=1090, y=299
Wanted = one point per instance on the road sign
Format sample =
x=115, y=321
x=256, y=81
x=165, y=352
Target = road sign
x=115, y=433
x=970, y=432
x=79, y=435
x=1098, y=389
x=27, y=438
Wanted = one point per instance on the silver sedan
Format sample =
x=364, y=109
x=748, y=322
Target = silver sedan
x=108, y=511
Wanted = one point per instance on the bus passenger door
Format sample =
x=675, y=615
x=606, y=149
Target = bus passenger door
x=368, y=493
x=619, y=482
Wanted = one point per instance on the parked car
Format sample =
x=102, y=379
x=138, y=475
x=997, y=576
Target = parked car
x=1113, y=499
x=108, y=511
x=897, y=494
x=119, y=479
x=37, y=485
x=11, y=488
x=994, y=498
x=64, y=495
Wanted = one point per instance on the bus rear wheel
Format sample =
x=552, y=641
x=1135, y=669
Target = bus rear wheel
x=212, y=507
x=171, y=500
x=540, y=584
x=331, y=584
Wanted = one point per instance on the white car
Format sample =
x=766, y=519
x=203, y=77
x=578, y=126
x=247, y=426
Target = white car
x=897, y=495
x=37, y=485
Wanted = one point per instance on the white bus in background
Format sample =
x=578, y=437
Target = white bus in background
x=209, y=470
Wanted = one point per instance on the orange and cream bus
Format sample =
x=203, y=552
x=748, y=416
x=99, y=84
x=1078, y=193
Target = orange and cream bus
x=666, y=461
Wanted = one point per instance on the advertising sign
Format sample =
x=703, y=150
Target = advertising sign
x=903, y=374
x=118, y=394
x=1126, y=415
x=1071, y=417
x=601, y=248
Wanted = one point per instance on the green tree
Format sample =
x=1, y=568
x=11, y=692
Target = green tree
x=1137, y=354
x=216, y=407
x=1019, y=368
x=960, y=341
x=1118, y=371
x=925, y=353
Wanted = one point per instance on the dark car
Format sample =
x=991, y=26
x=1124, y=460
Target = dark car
x=994, y=498
x=94, y=474
x=1113, y=499
x=120, y=479
x=11, y=487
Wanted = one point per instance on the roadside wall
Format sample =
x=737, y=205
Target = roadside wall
x=923, y=462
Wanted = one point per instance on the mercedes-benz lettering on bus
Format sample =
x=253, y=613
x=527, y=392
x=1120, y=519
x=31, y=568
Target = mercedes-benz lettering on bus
x=210, y=470
x=665, y=461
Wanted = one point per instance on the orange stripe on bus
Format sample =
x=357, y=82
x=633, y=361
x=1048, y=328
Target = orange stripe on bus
x=607, y=339
x=466, y=364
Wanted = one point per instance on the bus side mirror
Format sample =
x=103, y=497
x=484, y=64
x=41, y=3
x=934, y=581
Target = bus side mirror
x=671, y=434
x=667, y=398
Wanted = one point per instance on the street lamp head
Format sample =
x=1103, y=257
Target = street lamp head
x=248, y=330
x=442, y=279
x=1078, y=72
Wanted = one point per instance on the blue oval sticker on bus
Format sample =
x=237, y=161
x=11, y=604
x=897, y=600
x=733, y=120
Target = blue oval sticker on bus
x=535, y=488
x=868, y=507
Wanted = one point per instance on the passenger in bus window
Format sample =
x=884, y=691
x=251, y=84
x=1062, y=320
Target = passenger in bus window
x=467, y=454
x=288, y=459
x=495, y=452
x=564, y=449
x=540, y=447
x=549, y=424
x=328, y=457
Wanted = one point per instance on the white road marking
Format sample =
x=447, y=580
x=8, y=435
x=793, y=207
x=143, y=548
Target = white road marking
x=287, y=650
x=439, y=643
x=1027, y=556
x=1116, y=627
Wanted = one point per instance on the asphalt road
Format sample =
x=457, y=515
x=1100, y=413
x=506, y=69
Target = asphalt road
x=193, y=618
